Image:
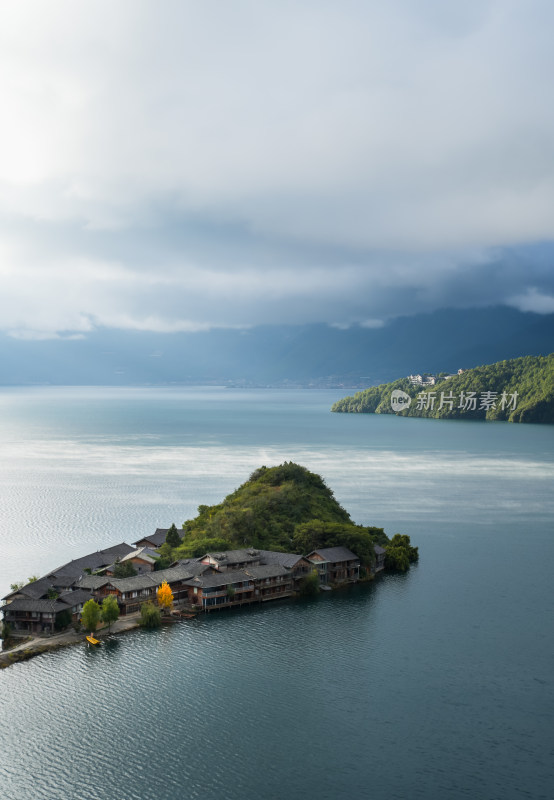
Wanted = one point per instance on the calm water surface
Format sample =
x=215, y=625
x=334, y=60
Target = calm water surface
x=437, y=684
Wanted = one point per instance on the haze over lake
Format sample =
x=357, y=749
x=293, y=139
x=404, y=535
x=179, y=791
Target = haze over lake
x=436, y=684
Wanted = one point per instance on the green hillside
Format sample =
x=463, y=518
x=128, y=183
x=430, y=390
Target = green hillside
x=518, y=390
x=285, y=508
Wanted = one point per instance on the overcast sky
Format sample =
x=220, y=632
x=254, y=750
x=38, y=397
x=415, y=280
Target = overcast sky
x=182, y=165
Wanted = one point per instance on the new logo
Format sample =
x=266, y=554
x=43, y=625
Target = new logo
x=399, y=400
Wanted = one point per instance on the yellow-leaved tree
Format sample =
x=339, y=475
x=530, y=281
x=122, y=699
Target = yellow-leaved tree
x=165, y=596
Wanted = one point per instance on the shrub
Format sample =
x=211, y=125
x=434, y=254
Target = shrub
x=150, y=616
x=63, y=620
x=124, y=569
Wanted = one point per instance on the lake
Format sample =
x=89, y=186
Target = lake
x=435, y=684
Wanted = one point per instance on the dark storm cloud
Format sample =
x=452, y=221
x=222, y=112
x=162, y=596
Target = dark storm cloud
x=192, y=165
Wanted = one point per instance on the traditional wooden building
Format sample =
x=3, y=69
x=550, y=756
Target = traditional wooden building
x=271, y=582
x=335, y=565
x=74, y=601
x=220, y=589
x=232, y=559
x=143, y=560
x=380, y=553
x=63, y=579
x=25, y=615
x=297, y=565
x=230, y=588
x=132, y=592
x=216, y=580
x=154, y=540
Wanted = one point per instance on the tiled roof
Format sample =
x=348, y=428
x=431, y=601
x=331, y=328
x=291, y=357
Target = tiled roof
x=379, y=550
x=157, y=538
x=179, y=573
x=92, y=582
x=150, y=579
x=235, y=556
x=29, y=604
x=75, y=598
x=335, y=554
x=220, y=579
x=93, y=561
x=145, y=553
x=266, y=571
x=284, y=559
x=34, y=590
x=62, y=580
x=194, y=566
x=134, y=583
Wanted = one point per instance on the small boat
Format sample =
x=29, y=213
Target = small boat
x=176, y=613
x=92, y=640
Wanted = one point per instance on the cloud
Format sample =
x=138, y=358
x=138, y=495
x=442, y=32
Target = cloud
x=192, y=165
x=534, y=301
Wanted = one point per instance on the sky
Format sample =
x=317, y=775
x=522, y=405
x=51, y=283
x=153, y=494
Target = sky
x=182, y=166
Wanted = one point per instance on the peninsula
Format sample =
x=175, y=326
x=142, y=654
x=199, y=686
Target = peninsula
x=518, y=390
x=282, y=533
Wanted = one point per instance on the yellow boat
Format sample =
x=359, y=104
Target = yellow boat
x=92, y=640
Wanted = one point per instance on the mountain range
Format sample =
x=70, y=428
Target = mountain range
x=319, y=354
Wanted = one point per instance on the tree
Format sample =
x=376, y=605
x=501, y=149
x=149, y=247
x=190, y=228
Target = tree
x=165, y=596
x=90, y=615
x=110, y=610
x=32, y=579
x=309, y=585
x=166, y=550
x=52, y=594
x=396, y=558
x=6, y=632
x=63, y=619
x=15, y=587
x=403, y=541
x=161, y=563
x=150, y=615
x=124, y=569
x=400, y=553
x=166, y=557
x=172, y=538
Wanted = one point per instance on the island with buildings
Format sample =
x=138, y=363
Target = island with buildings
x=206, y=572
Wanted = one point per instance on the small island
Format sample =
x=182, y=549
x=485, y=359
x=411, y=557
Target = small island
x=517, y=390
x=279, y=535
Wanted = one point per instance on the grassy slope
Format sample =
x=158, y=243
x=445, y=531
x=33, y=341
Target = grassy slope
x=283, y=508
x=532, y=377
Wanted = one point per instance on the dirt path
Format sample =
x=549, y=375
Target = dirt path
x=42, y=644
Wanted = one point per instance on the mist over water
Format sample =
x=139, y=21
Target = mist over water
x=435, y=684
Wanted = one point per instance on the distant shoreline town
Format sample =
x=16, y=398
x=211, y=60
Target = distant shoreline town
x=515, y=390
x=427, y=379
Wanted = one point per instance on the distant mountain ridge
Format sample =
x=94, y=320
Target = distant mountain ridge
x=516, y=390
x=278, y=355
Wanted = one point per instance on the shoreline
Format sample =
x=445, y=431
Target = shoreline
x=38, y=645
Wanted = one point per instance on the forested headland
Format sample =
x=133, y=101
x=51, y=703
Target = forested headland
x=289, y=509
x=517, y=390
